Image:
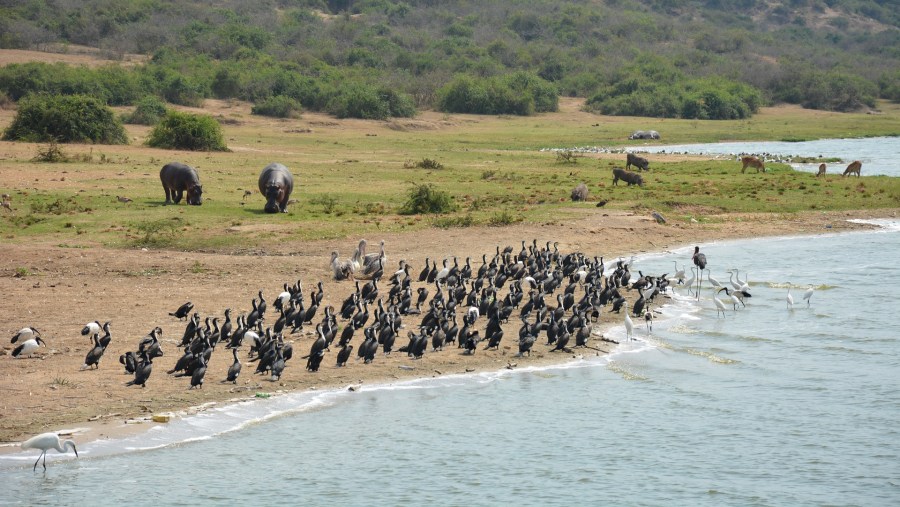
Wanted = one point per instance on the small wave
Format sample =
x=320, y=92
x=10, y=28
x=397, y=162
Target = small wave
x=889, y=224
x=624, y=372
x=710, y=356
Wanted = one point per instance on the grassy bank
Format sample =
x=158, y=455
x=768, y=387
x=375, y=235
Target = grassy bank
x=353, y=176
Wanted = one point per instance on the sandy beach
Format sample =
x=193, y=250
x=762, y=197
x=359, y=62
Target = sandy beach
x=65, y=288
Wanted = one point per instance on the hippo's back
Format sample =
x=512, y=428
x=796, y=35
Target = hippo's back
x=278, y=173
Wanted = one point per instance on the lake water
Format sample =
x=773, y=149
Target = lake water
x=879, y=155
x=766, y=406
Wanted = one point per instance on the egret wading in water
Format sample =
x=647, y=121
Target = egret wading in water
x=808, y=295
x=45, y=442
x=629, y=324
x=789, y=299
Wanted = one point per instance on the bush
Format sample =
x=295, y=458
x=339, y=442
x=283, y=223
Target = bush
x=520, y=93
x=277, y=107
x=663, y=92
x=148, y=112
x=184, y=131
x=832, y=90
x=65, y=119
x=425, y=198
x=362, y=100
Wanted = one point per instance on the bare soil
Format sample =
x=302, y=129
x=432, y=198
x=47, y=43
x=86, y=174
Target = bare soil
x=58, y=290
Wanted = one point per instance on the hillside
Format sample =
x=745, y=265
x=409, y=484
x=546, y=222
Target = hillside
x=825, y=54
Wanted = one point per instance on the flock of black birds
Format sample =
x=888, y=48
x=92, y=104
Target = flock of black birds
x=444, y=305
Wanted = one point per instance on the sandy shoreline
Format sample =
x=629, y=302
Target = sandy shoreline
x=136, y=289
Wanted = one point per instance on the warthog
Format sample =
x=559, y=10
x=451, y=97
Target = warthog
x=580, y=193
x=633, y=160
x=628, y=177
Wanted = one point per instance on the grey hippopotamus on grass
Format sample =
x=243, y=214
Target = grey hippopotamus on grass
x=644, y=134
x=178, y=178
x=276, y=183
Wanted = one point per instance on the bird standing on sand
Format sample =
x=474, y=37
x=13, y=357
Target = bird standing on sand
x=25, y=334
x=28, y=347
x=45, y=442
x=183, y=311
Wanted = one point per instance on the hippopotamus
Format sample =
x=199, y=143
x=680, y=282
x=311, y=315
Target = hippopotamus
x=276, y=183
x=644, y=134
x=626, y=176
x=177, y=178
x=633, y=160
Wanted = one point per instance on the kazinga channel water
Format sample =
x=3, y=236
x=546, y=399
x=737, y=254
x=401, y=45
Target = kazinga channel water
x=879, y=155
x=768, y=405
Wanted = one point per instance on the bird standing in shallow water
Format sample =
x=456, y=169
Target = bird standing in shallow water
x=45, y=442
x=808, y=295
x=699, y=260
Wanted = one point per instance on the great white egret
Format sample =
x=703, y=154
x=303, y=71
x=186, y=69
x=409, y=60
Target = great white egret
x=808, y=295
x=45, y=442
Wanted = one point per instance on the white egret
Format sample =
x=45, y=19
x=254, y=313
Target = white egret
x=45, y=442
x=720, y=306
x=629, y=324
x=789, y=299
x=808, y=295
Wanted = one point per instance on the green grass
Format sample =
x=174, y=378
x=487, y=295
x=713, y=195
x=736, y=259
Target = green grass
x=351, y=180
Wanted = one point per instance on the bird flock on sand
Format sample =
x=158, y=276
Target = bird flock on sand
x=554, y=299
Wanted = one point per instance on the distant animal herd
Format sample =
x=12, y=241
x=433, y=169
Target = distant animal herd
x=633, y=178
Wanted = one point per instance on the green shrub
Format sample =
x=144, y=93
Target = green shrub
x=368, y=102
x=829, y=90
x=65, y=118
x=185, y=131
x=278, y=106
x=520, y=93
x=149, y=111
x=655, y=88
x=424, y=198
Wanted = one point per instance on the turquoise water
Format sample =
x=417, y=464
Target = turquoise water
x=766, y=406
x=879, y=155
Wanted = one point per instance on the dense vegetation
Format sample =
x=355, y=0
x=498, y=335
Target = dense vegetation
x=185, y=131
x=65, y=118
x=380, y=58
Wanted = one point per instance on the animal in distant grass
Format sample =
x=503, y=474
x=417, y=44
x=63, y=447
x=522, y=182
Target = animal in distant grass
x=821, y=172
x=178, y=178
x=751, y=161
x=644, y=134
x=633, y=160
x=276, y=183
x=626, y=176
x=854, y=167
